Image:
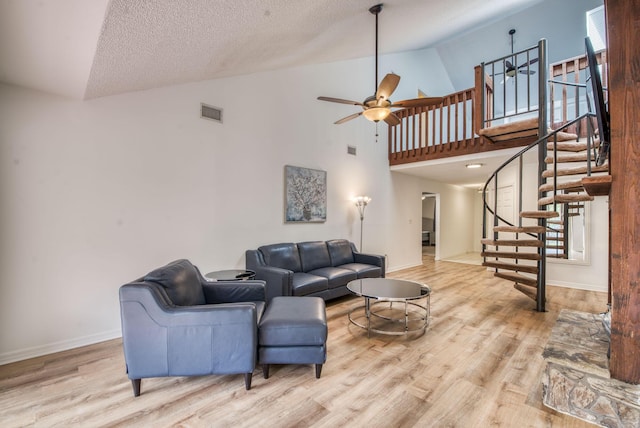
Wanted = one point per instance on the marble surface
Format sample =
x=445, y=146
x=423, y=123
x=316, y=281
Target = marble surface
x=576, y=379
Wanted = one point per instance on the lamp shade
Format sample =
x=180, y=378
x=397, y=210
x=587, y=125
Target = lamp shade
x=361, y=200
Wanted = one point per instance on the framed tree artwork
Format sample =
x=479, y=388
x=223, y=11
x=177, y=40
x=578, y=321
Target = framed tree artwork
x=305, y=195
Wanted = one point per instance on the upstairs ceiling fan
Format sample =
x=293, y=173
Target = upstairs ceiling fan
x=510, y=69
x=378, y=106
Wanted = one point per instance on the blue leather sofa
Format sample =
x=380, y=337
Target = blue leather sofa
x=314, y=268
x=175, y=323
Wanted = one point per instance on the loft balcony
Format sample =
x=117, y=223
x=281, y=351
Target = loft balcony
x=500, y=112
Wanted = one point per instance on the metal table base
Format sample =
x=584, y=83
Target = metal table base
x=423, y=321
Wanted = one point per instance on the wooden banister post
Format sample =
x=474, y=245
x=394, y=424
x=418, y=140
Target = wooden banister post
x=478, y=109
x=624, y=202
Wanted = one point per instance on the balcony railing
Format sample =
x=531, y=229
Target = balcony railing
x=444, y=128
x=451, y=128
x=566, y=79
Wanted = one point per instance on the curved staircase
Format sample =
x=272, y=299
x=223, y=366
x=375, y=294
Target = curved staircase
x=518, y=252
x=572, y=168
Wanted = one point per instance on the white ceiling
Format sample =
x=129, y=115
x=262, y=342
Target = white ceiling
x=85, y=49
x=454, y=170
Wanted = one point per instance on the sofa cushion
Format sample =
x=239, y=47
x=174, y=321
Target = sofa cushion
x=363, y=270
x=313, y=255
x=340, y=252
x=284, y=256
x=337, y=277
x=181, y=281
x=305, y=283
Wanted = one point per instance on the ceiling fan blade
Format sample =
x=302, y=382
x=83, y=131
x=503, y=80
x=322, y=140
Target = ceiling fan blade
x=341, y=101
x=527, y=72
x=533, y=61
x=392, y=119
x=387, y=86
x=418, y=102
x=346, y=119
x=508, y=64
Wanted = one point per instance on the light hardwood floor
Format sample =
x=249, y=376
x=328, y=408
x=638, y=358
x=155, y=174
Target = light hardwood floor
x=479, y=364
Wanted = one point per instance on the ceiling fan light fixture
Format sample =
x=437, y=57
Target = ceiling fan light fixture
x=376, y=114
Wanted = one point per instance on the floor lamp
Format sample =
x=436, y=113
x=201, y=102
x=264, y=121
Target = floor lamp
x=361, y=203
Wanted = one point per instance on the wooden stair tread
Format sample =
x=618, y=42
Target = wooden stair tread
x=511, y=255
x=519, y=229
x=567, y=185
x=507, y=131
x=576, y=146
x=563, y=136
x=513, y=242
x=580, y=157
x=575, y=171
x=539, y=214
x=579, y=197
x=512, y=266
x=599, y=185
x=533, y=282
x=529, y=292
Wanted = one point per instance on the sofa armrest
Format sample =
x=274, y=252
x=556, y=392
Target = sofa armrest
x=370, y=259
x=234, y=291
x=278, y=281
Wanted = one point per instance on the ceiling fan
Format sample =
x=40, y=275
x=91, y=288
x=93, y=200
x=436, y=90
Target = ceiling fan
x=378, y=106
x=510, y=69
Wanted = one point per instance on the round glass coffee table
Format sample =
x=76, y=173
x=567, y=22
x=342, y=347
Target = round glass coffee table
x=387, y=290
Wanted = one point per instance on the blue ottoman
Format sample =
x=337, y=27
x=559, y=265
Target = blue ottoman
x=293, y=330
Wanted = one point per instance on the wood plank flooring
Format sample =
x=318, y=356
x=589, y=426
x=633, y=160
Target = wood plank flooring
x=479, y=364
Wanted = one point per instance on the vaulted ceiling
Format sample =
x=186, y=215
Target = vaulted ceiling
x=86, y=49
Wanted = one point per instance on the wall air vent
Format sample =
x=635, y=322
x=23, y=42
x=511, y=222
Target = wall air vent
x=351, y=150
x=211, y=112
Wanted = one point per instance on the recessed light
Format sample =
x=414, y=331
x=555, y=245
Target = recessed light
x=474, y=165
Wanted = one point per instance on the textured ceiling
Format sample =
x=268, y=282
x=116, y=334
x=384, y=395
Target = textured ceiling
x=93, y=48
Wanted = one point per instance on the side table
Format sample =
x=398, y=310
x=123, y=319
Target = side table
x=230, y=275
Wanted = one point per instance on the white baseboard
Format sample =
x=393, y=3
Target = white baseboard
x=579, y=286
x=396, y=268
x=63, y=345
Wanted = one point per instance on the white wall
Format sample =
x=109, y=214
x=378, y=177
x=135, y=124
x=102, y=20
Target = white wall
x=455, y=228
x=98, y=193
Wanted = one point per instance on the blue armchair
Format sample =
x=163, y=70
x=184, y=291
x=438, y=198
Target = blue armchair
x=175, y=323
